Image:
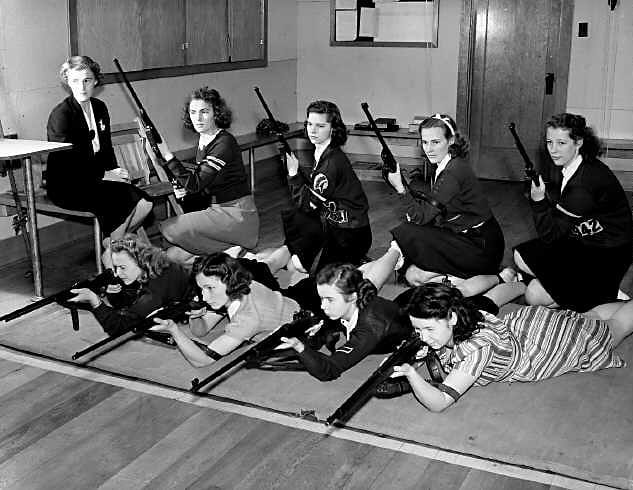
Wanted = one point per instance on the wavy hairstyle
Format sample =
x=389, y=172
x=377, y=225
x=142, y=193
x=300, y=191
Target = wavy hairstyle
x=80, y=63
x=348, y=280
x=228, y=270
x=152, y=260
x=446, y=123
x=222, y=114
x=339, y=130
x=438, y=301
x=578, y=130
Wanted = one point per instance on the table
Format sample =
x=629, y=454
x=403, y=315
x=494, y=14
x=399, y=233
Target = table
x=251, y=141
x=11, y=149
x=402, y=138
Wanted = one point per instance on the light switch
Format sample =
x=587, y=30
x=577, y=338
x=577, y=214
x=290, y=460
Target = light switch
x=583, y=29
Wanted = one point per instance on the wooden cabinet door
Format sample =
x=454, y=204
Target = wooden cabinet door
x=162, y=32
x=207, y=31
x=247, y=29
x=105, y=33
x=511, y=47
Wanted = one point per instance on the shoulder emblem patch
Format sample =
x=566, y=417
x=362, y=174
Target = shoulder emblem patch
x=346, y=349
x=320, y=183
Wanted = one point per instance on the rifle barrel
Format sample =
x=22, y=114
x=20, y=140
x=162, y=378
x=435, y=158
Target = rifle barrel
x=144, y=116
x=28, y=309
x=529, y=166
x=405, y=352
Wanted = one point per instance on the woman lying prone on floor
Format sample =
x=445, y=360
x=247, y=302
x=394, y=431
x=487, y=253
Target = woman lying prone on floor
x=148, y=280
x=476, y=348
x=371, y=324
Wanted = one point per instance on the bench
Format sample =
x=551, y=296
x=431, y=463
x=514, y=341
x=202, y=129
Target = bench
x=130, y=147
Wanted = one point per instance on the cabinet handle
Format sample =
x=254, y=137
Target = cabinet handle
x=549, y=83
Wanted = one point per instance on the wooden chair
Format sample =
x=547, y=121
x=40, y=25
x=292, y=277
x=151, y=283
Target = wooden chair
x=130, y=145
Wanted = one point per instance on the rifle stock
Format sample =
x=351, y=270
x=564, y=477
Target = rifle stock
x=529, y=166
x=175, y=311
x=405, y=352
x=296, y=328
x=62, y=297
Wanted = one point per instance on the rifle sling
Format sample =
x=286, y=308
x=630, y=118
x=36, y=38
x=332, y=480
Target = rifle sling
x=453, y=393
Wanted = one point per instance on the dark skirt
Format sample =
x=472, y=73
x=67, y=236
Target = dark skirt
x=435, y=249
x=111, y=202
x=307, y=236
x=577, y=277
x=479, y=301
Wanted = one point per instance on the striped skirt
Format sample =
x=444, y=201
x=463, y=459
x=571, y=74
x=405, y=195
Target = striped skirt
x=554, y=342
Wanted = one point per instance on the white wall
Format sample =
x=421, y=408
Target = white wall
x=395, y=82
x=34, y=42
x=601, y=68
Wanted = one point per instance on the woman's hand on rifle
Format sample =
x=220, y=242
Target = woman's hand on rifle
x=85, y=295
x=165, y=152
x=537, y=192
x=292, y=164
x=291, y=343
x=395, y=179
x=117, y=175
x=164, y=326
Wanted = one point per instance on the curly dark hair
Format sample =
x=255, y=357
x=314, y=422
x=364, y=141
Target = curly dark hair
x=348, y=280
x=445, y=122
x=339, y=130
x=228, y=270
x=437, y=301
x=578, y=130
x=152, y=260
x=222, y=115
x=80, y=63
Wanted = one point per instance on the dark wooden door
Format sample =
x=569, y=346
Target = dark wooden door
x=514, y=62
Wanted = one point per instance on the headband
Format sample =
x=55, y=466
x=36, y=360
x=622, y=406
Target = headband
x=446, y=121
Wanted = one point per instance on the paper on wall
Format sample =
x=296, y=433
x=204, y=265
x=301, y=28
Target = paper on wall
x=346, y=25
x=404, y=22
x=345, y=4
x=367, y=22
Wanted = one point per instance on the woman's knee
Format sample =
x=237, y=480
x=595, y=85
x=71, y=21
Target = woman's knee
x=535, y=294
x=520, y=263
x=144, y=207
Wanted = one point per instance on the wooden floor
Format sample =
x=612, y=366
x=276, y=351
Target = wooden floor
x=66, y=432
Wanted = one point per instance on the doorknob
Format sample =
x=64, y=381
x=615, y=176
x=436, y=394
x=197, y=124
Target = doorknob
x=549, y=84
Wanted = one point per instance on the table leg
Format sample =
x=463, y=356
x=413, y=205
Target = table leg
x=251, y=162
x=35, y=242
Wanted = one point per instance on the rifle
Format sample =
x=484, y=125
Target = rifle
x=302, y=320
x=529, y=166
x=176, y=311
x=390, y=165
x=153, y=136
x=96, y=284
x=388, y=160
x=274, y=122
x=405, y=352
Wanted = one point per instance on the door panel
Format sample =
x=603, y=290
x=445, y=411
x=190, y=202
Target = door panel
x=512, y=45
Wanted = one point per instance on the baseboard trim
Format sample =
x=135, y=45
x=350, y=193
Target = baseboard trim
x=51, y=238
